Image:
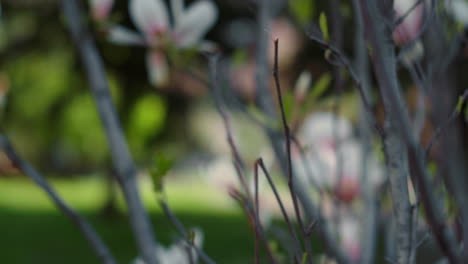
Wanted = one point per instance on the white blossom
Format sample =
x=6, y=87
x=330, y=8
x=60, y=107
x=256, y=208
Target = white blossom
x=151, y=18
x=333, y=158
x=178, y=252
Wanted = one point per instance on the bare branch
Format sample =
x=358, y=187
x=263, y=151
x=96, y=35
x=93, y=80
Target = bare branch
x=333, y=53
x=291, y=228
x=183, y=232
x=287, y=139
x=444, y=126
x=239, y=166
x=121, y=158
x=385, y=67
x=86, y=229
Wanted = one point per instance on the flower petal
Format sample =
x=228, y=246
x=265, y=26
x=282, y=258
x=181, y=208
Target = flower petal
x=177, y=7
x=124, y=36
x=410, y=26
x=149, y=16
x=100, y=9
x=197, y=20
x=158, y=70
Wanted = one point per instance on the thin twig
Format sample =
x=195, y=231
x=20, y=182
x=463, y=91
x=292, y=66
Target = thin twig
x=183, y=232
x=237, y=159
x=86, y=229
x=344, y=62
x=444, y=126
x=287, y=137
x=257, y=215
x=239, y=164
x=291, y=228
x=385, y=67
x=247, y=206
x=121, y=158
x=266, y=103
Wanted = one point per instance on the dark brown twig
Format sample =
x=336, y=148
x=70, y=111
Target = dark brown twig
x=250, y=212
x=287, y=138
x=291, y=228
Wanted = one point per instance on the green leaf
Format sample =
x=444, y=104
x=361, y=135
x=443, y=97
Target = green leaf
x=288, y=104
x=302, y=10
x=321, y=86
x=466, y=114
x=262, y=117
x=239, y=57
x=146, y=119
x=162, y=165
x=460, y=104
x=304, y=257
x=324, y=26
x=317, y=90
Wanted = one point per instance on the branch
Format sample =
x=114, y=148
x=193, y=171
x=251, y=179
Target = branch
x=267, y=105
x=444, y=126
x=385, y=67
x=361, y=64
x=287, y=137
x=90, y=234
x=332, y=53
x=121, y=158
x=291, y=229
x=183, y=232
x=239, y=166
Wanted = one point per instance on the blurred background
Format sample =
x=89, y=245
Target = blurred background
x=49, y=115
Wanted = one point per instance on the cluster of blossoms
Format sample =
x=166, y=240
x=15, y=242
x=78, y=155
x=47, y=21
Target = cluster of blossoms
x=157, y=33
x=333, y=164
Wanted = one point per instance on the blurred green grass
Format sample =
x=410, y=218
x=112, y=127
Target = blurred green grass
x=32, y=230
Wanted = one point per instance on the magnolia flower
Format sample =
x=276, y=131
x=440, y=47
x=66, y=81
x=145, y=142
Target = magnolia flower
x=151, y=18
x=323, y=128
x=349, y=228
x=100, y=9
x=334, y=158
x=177, y=253
x=409, y=28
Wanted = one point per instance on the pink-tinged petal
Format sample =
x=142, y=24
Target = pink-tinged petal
x=158, y=70
x=410, y=26
x=195, y=23
x=123, y=36
x=350, y=232
x=150, y=17
x=100, y=9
